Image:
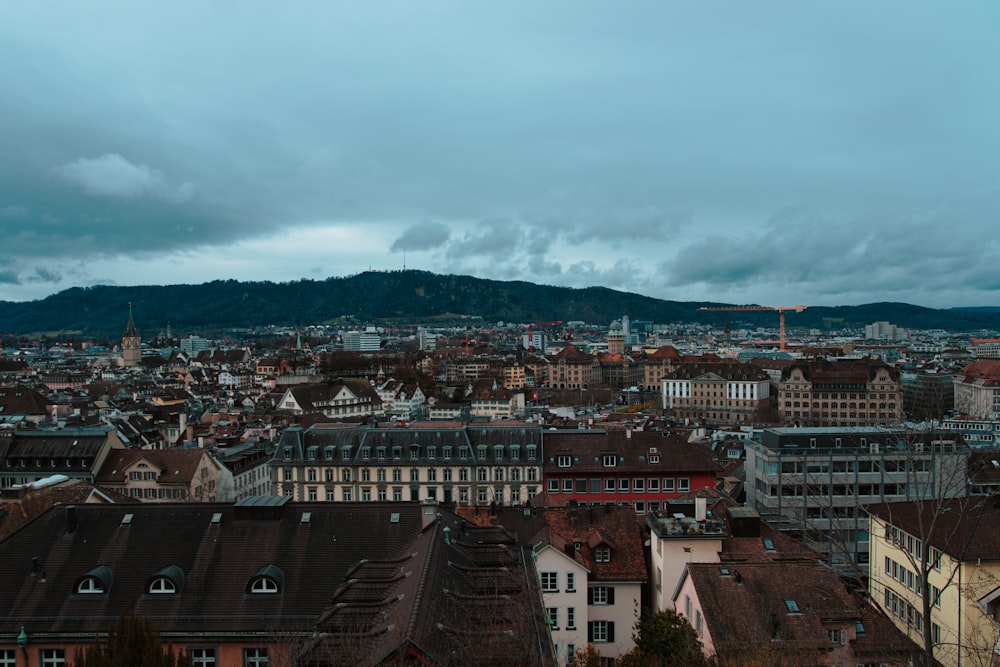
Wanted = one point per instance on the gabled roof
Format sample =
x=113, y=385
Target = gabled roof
x=173, y=466
x=963, y=528
x=22, y=401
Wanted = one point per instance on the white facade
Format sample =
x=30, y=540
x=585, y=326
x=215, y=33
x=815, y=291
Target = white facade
x=564, y=591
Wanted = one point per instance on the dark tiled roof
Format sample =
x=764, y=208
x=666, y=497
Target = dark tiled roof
x=748, y=605
x=174, y=466
x=632, y=448
x=218, y=560
x=964, y=528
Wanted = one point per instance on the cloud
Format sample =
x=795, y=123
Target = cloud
x=111, y=175
x=425, y=235
x=14, y=212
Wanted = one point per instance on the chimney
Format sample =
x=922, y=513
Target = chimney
x=71, y=520
x=700, y=508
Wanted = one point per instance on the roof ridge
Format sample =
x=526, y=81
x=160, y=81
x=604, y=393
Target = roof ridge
x=418, y=596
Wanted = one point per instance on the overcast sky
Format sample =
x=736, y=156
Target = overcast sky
x=777, y=153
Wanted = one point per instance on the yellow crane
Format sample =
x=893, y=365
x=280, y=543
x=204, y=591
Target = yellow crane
x=781, y=316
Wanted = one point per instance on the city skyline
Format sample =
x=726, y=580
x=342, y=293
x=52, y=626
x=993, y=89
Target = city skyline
x=773, y=154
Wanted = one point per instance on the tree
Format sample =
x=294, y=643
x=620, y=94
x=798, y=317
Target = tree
x=668, y=638
x=131, y=641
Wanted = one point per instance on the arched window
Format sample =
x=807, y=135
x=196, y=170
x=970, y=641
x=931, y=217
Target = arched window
x=264, y=585
x=268, y=580
x=95, y=582
x=161, y=586
x=168, y=581
x=90, y=585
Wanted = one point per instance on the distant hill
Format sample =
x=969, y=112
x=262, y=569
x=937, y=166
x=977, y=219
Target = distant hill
x=415, y=296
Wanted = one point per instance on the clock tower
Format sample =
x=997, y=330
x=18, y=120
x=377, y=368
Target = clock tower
x=131, y=352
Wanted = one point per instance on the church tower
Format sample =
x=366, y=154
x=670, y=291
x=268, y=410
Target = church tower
x=131, y=353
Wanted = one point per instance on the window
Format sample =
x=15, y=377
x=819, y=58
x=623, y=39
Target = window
x=564, y=461
x=602, y=554
x=264, y=585
x=792, y=606
x=837, y=636
x=347, y=495
x=8, y=658
x=567, y=486
x=668, y=485
x=550, y=581
x=553, y=617
x=162, y=586
x=52, y=657
x=609, y=460
x=683, y=484
x=571, y=618
x=570, y=654
x=570, y=582
x=600, y=631
x=256, y=657
x=202, y=657
x=553, y=486
x=90, y=585
x=600, y=595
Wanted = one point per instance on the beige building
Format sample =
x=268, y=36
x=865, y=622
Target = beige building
x=846, y=392
x=935, y=565
x=468, y=465
x=717, y=393
x=977, y=389
x=167, y=475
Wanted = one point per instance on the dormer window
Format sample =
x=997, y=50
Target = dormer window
x=609, y=460
x=565, y=460
x=90, y=585
x=161, y=586
x=167, y=581
x=268, y=580
x=96, y=582
x=602, y=554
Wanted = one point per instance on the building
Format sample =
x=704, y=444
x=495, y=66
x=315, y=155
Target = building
x=269, y=582
x=344, y=398
x=592, y=570
x=131, y=343
x=936, y=567
x=718, y=393
x=28, y=456
x=785, y=612
x=884, y=331
x=570, y=368
x=815, y=481
x=977, y=389
x=846, y=392
x=368, y=340
x=927, y=395
x=166, y=475
x=470, y=465
x=986, y=348
x=641, y=469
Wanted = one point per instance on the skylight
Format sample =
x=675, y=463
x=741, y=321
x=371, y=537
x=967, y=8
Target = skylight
x=792, y=606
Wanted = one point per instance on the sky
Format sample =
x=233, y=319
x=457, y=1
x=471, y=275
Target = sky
x=778, y=153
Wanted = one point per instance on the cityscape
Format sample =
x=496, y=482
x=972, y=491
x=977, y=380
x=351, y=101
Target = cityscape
x=499, y=334
x=500, y=493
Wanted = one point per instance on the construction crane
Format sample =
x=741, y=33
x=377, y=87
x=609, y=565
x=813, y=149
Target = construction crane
x=781, y=316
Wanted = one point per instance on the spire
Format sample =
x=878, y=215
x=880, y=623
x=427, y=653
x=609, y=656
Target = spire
x=130, y=329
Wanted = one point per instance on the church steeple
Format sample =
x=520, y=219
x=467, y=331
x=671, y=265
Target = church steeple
x=131, y=342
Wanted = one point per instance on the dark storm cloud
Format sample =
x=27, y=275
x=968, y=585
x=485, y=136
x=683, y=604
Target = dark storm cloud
x=566, y=142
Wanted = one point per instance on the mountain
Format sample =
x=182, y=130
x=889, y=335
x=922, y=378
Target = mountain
x=415, y=296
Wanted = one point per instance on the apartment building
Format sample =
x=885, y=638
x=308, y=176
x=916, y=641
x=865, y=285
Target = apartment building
x=469, y=465
x=167, y=475
x=845, y=392
x=592, y=570
x=343, y=398
x=936, y=565
x=977, y=389
x=718, y=393
x=642, y=469
x=816, y=480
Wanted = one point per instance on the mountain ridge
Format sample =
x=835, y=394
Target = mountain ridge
x=415, y=296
